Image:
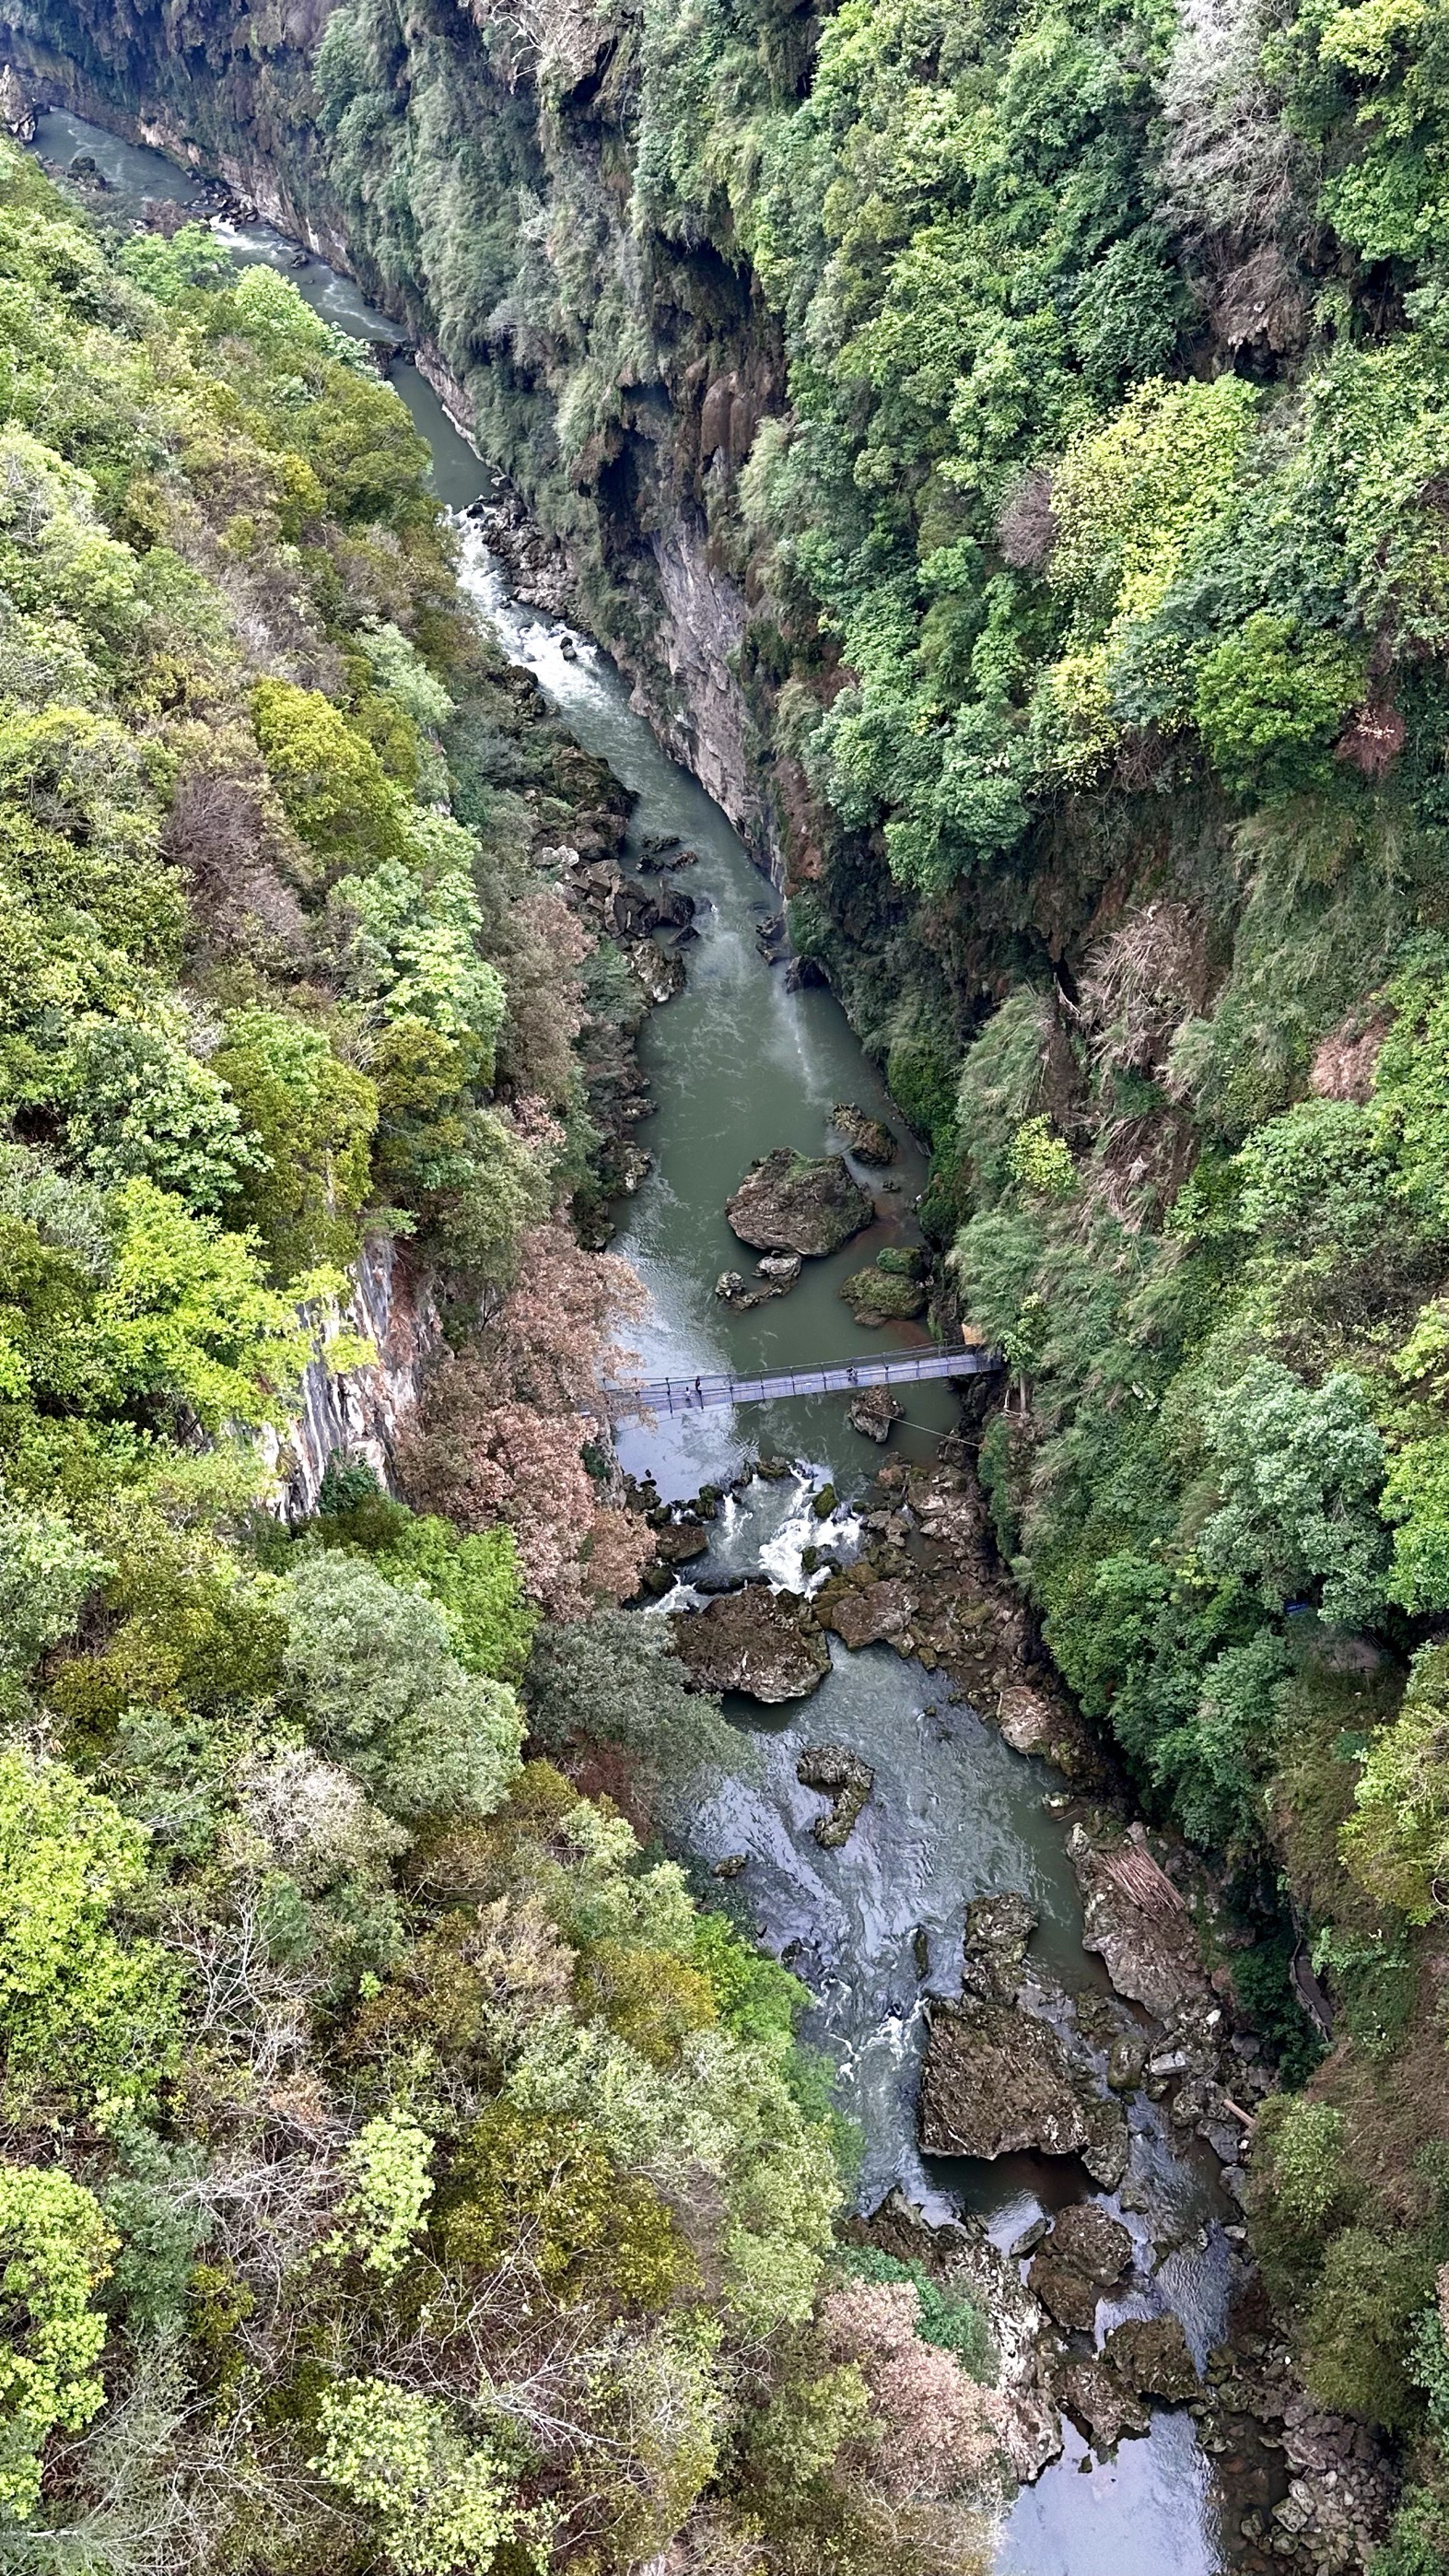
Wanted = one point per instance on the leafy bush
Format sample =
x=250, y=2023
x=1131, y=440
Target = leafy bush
x=615, y=1679
x=440, y=2504
x=1396, y=1842
x=312, y=1119
x=381, y=1690
x=87, y=2016
x=1299, y=1471
x=54, y=2252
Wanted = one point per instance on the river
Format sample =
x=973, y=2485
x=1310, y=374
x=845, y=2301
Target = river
x=737, y=1064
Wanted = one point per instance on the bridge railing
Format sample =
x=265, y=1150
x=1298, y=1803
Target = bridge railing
x=714, y=1388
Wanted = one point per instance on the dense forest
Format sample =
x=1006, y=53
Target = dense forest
x=1062, y=392
x=399, y=2168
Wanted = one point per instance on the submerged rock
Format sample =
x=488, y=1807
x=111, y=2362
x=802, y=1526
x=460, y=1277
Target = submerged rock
x=869, y=1139
x=874, y=1412
x=767, y=1644
x=996, y=2082
x=788, y=1203
x=841, y=1776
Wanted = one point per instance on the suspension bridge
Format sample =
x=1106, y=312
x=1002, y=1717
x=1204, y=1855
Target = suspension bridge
x=850, y=1377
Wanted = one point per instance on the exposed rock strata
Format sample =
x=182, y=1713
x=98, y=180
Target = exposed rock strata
x=1136, y=1920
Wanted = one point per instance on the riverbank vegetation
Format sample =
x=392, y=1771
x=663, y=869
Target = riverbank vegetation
x=397, y=2168
x=1067, y=395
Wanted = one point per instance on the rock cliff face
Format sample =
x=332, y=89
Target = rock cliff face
x=619, y=382
x=361, y=1412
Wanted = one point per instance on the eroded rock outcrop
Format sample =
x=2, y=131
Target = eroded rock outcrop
x=763, y=1643
x=791, y=1203
x=996, y=2082
x=845, y=1779
x=1136, y=1920
x=868, y=1139
x=883, y=1295
x=874, y=1413
x=774, y=1276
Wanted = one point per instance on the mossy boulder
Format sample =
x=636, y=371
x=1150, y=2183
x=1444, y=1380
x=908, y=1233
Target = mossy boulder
x=880, y=1296
x=789, y=1203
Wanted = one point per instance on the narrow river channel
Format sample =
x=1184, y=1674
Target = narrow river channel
x=738, y=1065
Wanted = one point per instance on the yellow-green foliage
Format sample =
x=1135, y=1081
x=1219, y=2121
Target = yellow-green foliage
x=55, y=2250
x=550, y=2190
x=87, y=2014
x=443, y=2505
x=330, y=780
x=1131, y=499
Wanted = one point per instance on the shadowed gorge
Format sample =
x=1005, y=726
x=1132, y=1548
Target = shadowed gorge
x=1002, y=453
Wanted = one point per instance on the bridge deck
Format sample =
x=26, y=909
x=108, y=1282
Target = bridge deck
x=699, y=1394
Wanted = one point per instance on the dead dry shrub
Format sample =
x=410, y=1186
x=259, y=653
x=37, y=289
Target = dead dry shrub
x=1140, y=984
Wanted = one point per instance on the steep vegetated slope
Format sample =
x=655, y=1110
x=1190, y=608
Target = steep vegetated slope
x=1061, y=397
x=398, y=2170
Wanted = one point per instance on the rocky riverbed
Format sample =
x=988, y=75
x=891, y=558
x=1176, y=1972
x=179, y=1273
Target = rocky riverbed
x=1015, y=2065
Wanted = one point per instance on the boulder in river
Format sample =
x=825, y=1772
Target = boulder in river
x=868, y=1139
x=874, y=1412
x=996, y=2082
x=660, y=972
x=1153, y=2357
x=869, y=1613
x=998, y=1929
x=1088, y=2250
x=1094, y=2242
x=883, y=1296
x=1108, y=2141
x=680, y=1541
x=775, y=1276
x=767, y=1644
x=1102, y=2403
x=841, y=1776
x=789, y=1203
x=1069, y=2298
